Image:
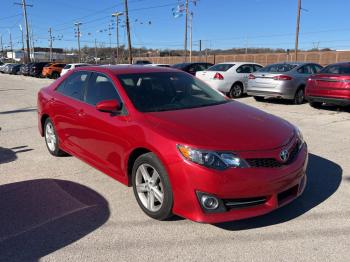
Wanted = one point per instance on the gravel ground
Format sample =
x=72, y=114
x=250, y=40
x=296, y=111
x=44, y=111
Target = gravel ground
x=60, y=209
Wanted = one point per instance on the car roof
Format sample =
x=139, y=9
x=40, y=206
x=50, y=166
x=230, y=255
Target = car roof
x=238, y=63
x=126, y=69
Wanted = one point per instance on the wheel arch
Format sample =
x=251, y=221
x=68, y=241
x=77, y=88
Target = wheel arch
x=135, y=153
x=42, y=122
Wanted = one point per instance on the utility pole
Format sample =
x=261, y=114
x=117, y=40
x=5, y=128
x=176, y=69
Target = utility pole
x=191, y=18
x=128, y=30
x=78, y=24
x=11, y=45
x=24, y=7
x=297, y=32
x=32, y=37
x=2, y=47
x=95, y=51
x=50, y=39
x=186, y=21
x=20, y=27
x=116, y=15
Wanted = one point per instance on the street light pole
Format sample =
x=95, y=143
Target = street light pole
x=116, y=15
x=297, y=31
x=191, y=18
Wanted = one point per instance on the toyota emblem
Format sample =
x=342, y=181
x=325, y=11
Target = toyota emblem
x=284, y=155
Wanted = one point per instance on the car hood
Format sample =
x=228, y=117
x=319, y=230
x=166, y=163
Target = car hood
x=229, y=126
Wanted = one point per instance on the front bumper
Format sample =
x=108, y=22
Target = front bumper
x=278, y=185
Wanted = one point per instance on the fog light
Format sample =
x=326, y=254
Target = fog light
x=209, y=202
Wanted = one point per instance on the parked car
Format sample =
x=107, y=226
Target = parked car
x=282, y=80
x=331, y=85
x=184, y=147
x=142, y=62
x=19, y=72
x=192, y=68
x=36, y=69
x=4, y=67
x=13, y=69
x=71, y=67
x=161, y=65
x=25, y=70
x=230, y=78
x=53, y=70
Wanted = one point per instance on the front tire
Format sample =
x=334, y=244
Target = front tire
x=51, y=139
x=152, y=187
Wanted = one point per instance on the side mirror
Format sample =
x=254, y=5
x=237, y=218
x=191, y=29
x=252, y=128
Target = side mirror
x=109, y=106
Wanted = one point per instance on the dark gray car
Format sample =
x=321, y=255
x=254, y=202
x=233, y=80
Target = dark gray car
x=282, y=80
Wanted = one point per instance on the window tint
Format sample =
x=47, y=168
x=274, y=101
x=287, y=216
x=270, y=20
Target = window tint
x=73, y=86
x=100, y=88
x=278, y=68
x=201, y=67
x=220, y=67
x=306, y=69
x=257, y=67
x=340, y=69
x=80, y=65
x=67, y=67
x=244, y=69
x=152, y=92
x=317, y=68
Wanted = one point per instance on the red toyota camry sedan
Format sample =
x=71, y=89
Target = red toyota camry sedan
x=183, y=147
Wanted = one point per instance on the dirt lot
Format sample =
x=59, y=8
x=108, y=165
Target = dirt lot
x=60, y=209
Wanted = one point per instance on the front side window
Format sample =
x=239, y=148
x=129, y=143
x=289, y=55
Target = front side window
x=100, y=88
x=165, y=91
x=74, y=85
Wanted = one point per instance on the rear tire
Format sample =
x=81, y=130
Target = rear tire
x=316, y=104
x=236, y=90
x=259, y=98
x=55, y=75
x=51, y=139
x=152, y=187
x=299, y=97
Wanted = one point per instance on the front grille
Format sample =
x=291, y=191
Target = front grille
x=244, y=202
x=272, y=162
x=264, y=162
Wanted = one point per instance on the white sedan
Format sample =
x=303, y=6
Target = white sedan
x=71, y=67
x=230, y=78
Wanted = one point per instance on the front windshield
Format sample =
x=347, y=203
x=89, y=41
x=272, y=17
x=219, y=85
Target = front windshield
x=166, y=91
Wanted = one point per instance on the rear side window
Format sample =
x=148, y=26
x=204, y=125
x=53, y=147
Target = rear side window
x=100, y=88
x=67, y=67
x=317, y=68
x=257, y=67
x=278, y=68
x=341, y=69
x=244, y=69
x=74, y=85
x=220, y=67
x=306, y=69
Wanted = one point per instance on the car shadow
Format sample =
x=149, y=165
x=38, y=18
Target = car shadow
x=41, y=216
x=334, y=108
x=10, y=154
x=22, y=110
x=324, y=178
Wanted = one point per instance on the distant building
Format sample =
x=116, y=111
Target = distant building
x=41, y=54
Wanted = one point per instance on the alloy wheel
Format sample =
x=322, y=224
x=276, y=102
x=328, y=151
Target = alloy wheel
x=50, y=136
x=149, y=187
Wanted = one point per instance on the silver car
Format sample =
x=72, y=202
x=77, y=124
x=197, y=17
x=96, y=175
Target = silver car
x=283, y=80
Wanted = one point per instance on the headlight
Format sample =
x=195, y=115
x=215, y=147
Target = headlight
x=300, y=137
x=212, y=159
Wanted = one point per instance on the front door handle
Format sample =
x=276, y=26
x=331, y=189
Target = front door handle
x=81, y=113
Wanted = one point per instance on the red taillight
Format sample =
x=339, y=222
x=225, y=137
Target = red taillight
x=218, y=76
x=251, y=76
x=282, y=77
